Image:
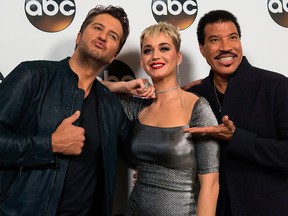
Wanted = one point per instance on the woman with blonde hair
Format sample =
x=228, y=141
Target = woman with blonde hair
x=177, y=173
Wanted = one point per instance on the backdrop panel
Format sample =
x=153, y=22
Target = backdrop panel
x=264, y=40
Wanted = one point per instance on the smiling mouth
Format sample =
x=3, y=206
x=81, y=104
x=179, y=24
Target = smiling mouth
x=157, y=65
x=226, y=59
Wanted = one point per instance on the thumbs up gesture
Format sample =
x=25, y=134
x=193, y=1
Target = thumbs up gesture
x=68, y=139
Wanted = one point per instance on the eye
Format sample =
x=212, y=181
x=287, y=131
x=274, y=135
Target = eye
x=164, y=49
x=147, y=51
x=113, y=36
x=214, y=40
x=98, y=28
x=234, y=37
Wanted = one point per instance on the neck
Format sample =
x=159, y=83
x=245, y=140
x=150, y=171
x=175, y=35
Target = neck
x=86, y=75
x=166, y=90
x=220, y=84
x=85, y=63
x=165, y=97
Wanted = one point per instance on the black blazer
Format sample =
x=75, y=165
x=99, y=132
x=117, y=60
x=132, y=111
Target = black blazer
x=254, y=164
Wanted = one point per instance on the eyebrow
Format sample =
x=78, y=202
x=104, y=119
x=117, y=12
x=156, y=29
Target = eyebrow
x=100, y=24
x=161, y=44
x=164, y=43
x=233, y=33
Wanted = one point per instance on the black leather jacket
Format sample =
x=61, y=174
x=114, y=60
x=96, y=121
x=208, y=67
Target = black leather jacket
x=34, y=99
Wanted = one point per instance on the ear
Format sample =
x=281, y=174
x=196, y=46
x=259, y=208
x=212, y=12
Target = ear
x=179, y=58
x=78, y=38
x=141, y=63
x=201, y=48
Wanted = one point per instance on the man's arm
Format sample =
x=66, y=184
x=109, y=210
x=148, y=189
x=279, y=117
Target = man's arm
x=193, y=83
x=138, y=87
x=223, y=131
x=267, y=152
x=19, y=149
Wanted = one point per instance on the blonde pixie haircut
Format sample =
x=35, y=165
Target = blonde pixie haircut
x=163, y=27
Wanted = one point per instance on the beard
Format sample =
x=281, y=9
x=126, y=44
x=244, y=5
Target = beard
x=92, y=58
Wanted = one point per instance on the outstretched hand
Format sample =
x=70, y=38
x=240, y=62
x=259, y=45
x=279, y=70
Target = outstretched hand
x=223, y=131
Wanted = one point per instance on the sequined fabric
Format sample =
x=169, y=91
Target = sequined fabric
x=168, y=161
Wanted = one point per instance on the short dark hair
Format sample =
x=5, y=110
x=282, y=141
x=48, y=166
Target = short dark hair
x=115, y=11
x=215, y=16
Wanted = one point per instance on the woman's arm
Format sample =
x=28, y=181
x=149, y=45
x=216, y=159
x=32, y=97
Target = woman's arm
x=208, y=195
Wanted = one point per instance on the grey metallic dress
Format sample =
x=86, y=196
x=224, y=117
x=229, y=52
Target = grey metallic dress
x=168, y=161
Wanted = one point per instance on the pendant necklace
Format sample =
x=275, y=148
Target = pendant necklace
x=166, y=90
x=216, y=95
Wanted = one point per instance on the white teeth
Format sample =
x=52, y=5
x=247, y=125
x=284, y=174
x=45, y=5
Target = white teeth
x=226, y=59
x=157, y=65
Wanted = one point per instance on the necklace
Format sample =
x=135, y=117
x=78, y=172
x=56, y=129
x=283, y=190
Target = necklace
x=216, y=95
x=171, y=89
x=166, y=90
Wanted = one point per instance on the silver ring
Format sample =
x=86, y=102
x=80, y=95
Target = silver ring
x=146, y=84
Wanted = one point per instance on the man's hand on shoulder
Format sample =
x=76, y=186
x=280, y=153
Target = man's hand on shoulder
x=189, y=85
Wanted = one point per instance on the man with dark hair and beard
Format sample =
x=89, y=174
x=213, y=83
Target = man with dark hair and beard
x=60, y=128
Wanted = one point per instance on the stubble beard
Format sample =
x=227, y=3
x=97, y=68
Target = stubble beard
x=94, y=60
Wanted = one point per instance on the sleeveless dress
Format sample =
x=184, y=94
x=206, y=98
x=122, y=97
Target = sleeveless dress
x=168, y=161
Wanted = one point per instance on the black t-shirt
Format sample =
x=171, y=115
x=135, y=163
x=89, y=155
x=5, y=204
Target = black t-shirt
x=83, y=186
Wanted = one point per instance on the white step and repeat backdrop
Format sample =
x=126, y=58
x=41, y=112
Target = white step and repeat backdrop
x=46, y=29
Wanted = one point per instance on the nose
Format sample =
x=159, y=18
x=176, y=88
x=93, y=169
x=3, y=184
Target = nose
x=103, y=36
x=156, y=54
x=226, y=45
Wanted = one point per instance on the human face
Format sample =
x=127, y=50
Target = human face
x=159, y=57
x=100, y=39
x=222, y=48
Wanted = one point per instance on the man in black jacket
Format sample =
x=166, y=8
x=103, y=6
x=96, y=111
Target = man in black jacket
x=60, y=128
x=251, y=106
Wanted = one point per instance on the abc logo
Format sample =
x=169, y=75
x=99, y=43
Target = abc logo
x=278, y=10
x=116, y=71
x=50, y=15
x=180, y=13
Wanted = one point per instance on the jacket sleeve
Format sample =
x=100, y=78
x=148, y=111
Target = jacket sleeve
x=124, y=137
x=270, y=152
x=17, y=146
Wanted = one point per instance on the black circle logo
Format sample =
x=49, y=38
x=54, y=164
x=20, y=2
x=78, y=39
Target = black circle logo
x=180, y=13
x=50, y=15
x=278, y=10
x=117, y=71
